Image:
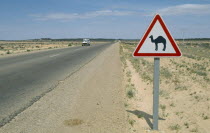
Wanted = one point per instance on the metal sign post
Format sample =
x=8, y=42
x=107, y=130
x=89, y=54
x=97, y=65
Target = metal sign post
x=156, y=92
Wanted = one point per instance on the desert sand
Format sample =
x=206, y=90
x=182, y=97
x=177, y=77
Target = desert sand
x=184, y=90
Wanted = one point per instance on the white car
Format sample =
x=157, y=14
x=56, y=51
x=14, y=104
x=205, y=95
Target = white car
x=86, y=42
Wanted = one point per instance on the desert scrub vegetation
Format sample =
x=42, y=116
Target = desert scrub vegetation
x=204, y=116
x=163, y=109
x=199, y=47
x=128, y=74
x=131, y=122
x=28, y=45
x=195, y=69
x=164, y=93
x=37, y=44
x=175, y=127
x=130, y=90
x=164, y=72
x=8, y=52
x=194, y=130
x=186, y=124
x=181, y=88
x=143, y=67
x=199, y=53
x=122, y=57
x=172, y=104
x=126, y=104
x=184, y=84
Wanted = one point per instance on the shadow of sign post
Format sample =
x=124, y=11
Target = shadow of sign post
x=145, y=115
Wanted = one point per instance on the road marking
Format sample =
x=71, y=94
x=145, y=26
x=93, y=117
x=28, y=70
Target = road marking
x=54, y=55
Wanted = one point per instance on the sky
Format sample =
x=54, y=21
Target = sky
x=117, y=19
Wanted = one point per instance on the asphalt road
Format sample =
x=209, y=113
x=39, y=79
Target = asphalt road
x=24, y=79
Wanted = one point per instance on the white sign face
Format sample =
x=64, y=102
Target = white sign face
x=157, y=41
x=149, y=46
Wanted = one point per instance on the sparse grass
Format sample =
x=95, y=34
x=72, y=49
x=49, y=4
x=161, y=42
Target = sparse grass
x=128, y=73
x=181, y=88
x=129, y=80
x=140, y=116
x=172, y=105
x=201, y=50
x=205, y=117
x=175, y=127
x=123, y=60
x=200, y=73
x=190, y=56
x=195, y=130
x=206, y=79
x=178, y=113
x=73, y=122
x=122, y=56
x=163, y=107
x=121, y=49
x=197, y=98
x=130, y=90
x=165, y=73
x=131, y=122
x=183, y=76
x=130, y=93
x=186, y=124
x=32, y=45
x=193, y=93
x=176, y=80
x=146, y=77
x=164, y=93
x=8, y=52
x=126, y=104
x=143, y=67
x=200, y=67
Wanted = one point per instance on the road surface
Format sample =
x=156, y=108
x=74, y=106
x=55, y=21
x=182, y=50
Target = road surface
x=24, y=79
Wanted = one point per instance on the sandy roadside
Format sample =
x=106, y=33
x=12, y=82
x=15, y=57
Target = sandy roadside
x=89, y=101
x=184, y=101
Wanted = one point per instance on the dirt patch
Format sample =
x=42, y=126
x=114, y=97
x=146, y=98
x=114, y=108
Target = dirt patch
x=73, y=122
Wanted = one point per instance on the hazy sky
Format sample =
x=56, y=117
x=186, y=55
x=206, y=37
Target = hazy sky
x=29, y=19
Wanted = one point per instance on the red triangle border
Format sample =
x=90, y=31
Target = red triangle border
x=157, y=18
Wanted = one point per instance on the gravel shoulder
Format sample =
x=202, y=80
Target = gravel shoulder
x=90, y=100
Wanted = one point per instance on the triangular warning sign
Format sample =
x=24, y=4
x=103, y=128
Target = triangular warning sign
x=157, y=41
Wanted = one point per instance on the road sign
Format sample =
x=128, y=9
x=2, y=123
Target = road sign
x=157, y=41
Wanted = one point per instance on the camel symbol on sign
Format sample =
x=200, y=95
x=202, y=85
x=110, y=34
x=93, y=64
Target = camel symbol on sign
x=159, y=39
